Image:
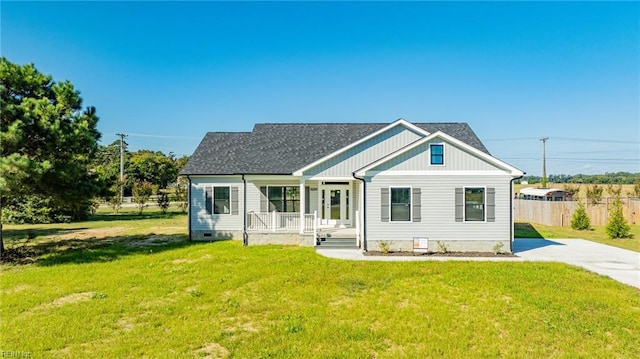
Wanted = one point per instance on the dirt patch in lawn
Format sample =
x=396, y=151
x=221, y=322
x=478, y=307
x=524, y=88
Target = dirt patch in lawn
x=438, y=254
x=152, y=241
x=68, y=299
x=16, y=289
x=125, y=325
x=90, y=233
x=212, y=350
x=189, y=261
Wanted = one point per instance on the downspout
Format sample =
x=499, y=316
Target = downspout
x=364, y=211
x=189, y=206
x=245, y=236
x=511, y=223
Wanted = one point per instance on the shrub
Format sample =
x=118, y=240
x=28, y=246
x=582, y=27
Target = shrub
x=594, y=194
x=142, y=190
x=617, y=226
x=442, y=247
x=163, y=202
x=181, y=194
x=115, y=203
x=636, y=189
x=614, y=190
x=34, y=209
x=580, y=219
x=385, y=247
x=573, y=189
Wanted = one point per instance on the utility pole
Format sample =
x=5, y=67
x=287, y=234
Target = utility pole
x=122, y=145
x=544, y=161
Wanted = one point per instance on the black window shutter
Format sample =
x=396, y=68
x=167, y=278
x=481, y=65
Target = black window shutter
x=459, y=204
x=307, y=200
x=417, y=204
x=208, y=199
x=234, y=200
x=384, y=204
x=264, y=201
x=491, y=204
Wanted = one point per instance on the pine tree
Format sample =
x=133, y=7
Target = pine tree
x=580, y=220
x=617, y=226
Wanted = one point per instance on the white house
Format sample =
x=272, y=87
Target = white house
x=401, y=184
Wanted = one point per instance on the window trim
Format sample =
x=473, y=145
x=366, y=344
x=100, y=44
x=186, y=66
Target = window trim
x=410, y=188
x=464, y=204
x=431, y=145
x=213, y=200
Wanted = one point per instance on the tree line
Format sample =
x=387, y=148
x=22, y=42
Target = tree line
x=606, y=178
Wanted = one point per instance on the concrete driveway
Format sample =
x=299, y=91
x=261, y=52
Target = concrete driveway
x=620, y=264
x=617, y=263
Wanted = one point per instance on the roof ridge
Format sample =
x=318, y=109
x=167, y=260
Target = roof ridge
x=348, y=123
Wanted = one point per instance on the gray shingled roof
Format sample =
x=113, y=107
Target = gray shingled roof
x=282, y=148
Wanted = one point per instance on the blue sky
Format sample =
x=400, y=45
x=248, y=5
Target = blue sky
x=167, y=72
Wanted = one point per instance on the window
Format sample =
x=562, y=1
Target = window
x=400, y=204
x=437, y=154
x=221, y=203
x=284, y=199
x=217, y=200
x=474, y=204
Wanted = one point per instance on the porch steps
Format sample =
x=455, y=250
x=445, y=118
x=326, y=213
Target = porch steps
x=338, y=243
x=337, y=240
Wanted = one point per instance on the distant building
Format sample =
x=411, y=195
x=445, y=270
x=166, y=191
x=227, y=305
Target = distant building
x=544, y=194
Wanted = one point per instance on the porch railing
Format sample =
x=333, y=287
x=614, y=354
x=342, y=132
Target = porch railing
x=278, y=221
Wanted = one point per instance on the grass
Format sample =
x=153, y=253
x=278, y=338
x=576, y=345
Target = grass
x=120, y=294
x=596, y=234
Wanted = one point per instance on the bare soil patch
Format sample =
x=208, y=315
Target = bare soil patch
x=90, y=233
x=156, y=240
x=212, y=350
x=68, y=299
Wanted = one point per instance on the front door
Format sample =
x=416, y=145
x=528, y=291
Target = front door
x=335, y=205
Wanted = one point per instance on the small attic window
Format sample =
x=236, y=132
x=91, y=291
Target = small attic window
x=437, y=154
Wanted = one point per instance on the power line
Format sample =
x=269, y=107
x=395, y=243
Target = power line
x=575, y=139
x=162, y=136
x=598, y=140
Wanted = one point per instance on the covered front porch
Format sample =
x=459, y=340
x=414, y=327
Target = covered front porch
x=311, y=207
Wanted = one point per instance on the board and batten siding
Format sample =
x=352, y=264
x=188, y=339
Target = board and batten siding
x=419, y=158
x=203, y=221
x=367, y=152
x=437, y=210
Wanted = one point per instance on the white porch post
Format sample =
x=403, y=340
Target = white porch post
x=274, y=219
x=302, y=205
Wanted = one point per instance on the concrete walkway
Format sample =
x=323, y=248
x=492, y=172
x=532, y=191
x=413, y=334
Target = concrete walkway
x=617, y=263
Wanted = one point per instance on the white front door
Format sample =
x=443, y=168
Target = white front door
x=335, y=205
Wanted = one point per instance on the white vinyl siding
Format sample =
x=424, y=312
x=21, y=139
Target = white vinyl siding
x=344, y=164
x=437, y=210
x=419, y=159
x=202, y=216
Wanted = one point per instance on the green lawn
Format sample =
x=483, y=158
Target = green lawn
x=596, y=234
x=121, y=286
